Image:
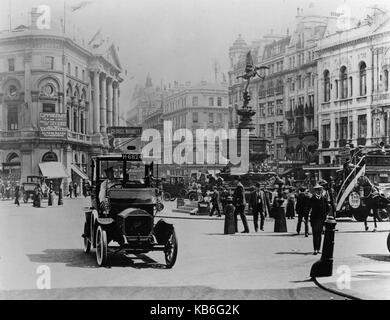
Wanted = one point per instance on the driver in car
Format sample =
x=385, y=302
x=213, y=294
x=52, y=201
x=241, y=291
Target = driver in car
x=106, y=184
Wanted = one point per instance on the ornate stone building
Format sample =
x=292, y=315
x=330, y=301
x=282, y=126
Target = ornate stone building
x=353, y=68
x=200, y=106
x=145, y=101
x=301, y=89
x=57, y=98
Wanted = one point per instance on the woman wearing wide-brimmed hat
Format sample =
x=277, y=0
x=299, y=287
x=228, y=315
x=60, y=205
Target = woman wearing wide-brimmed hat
x=230, y=224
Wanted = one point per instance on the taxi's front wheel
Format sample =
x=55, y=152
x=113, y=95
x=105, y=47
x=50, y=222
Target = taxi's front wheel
x=101, y=247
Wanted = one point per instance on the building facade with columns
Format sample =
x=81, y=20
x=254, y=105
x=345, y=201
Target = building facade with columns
x=57, y=98
x=195, y=106
x=301, y=90
x=353, y=68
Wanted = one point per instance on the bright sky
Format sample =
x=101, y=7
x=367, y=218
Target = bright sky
x=178, y=39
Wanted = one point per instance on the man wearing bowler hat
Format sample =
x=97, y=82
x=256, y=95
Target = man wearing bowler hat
x=319, y=208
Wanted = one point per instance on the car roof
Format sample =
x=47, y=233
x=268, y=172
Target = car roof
x=118, y=156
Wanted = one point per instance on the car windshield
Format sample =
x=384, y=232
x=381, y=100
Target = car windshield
x=116, y=165
x=135, y=172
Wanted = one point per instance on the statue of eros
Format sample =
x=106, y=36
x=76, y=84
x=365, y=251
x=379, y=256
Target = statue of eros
x=251, y=71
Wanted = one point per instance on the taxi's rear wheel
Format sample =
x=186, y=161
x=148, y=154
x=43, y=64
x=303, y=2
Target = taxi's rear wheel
x=171, y=250
x=87, y=242
x=101, y=247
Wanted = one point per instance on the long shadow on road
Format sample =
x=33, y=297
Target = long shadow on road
x=78, y=259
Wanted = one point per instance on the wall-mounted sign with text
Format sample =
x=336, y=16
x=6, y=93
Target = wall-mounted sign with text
x=52, y=125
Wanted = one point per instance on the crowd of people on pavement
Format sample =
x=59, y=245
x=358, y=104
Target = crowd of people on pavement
x=310, y=208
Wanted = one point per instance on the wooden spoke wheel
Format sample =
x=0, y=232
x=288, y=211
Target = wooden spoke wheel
x=166, y=196
x=101, y=247
x=171, y=250
x=86, y=242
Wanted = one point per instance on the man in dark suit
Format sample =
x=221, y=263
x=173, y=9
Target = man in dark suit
x=260, y=205
x=240, y=203
x=215, y=198
x=302, y=207
x=319, y=209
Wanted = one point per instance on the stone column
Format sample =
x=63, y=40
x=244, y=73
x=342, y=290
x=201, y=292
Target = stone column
x=369, y=126
x=28, y=118
x=103, y=109
x=115, y=104
x=109, y=102
x=354, y=127
x=333, y=129
x=96, y=102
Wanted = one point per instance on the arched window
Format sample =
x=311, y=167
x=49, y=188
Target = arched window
x=386, y=80
x=83, y=159
x=350, y=86
x=344, y=82
x=363, y=78
x=75, y=120
x=13, y=157
x=69, y=90
x=76, y=159
x=326, y=86
x=49, y=157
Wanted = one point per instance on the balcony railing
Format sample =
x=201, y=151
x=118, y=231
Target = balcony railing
x=361, y=141
x=325, y=144
x=309, y=111
x=342, y=143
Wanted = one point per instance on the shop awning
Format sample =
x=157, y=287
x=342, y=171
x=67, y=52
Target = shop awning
x=53, y=170
x=79, y=172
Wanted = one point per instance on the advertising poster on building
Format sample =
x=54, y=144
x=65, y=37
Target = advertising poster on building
x=52, y=125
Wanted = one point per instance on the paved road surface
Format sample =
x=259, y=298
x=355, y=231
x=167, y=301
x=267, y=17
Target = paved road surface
x=210, y=265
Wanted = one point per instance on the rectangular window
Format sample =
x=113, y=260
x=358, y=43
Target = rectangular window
x=279, y=107
x=219, y=102
x=195, y=117
x=49, y=63
x=211, y=117
x=12, y=118
x=211, y=102
x=262, y=130
x=279, y=151
x=11, y=64
x=279, y=128
x=362, y=126
x=271, y=130
x=195, y=101
x=219, y=118
x=262, y=109
x=49, y=107
x=270, y=109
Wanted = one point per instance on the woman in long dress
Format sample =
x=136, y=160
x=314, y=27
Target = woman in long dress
x=230, y=225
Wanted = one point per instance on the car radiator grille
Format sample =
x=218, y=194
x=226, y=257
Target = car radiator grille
x=133, y=226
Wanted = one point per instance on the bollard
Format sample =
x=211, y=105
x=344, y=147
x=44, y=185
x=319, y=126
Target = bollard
x=50, y=199
x=324, y=267
x=60, y=200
